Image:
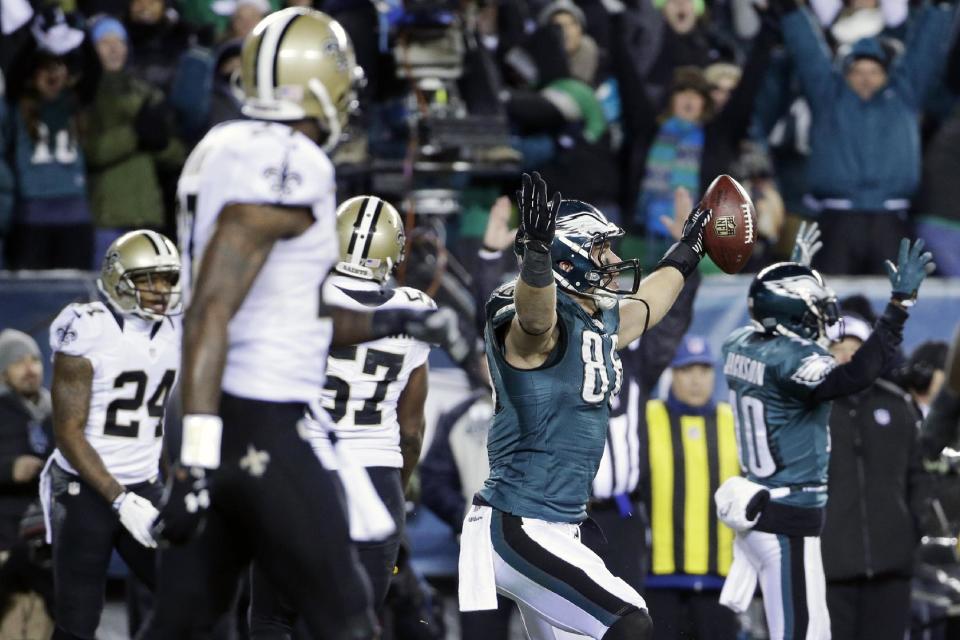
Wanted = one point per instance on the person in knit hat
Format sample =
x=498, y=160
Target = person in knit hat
x=25, y=429
x=582, y=52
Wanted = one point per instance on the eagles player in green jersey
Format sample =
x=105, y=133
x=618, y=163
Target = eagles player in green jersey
x=552, y=338
x=782, y=381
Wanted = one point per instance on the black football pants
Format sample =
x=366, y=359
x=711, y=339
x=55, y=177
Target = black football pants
x=273, y=502
x=85, y=531
x=271, y=618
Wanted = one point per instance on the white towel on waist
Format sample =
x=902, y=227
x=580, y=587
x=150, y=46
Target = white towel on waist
x=478, y=583
x=741, y=582
x=370, y=519
x=46, y=496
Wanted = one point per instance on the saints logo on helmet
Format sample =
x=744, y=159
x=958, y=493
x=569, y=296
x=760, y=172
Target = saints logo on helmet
x=299, y=63
x=792, y=299
x=371, y=238
x=141, y=275
x=582, y=231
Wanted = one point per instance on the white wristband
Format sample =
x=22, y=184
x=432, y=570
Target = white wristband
x=201, y=441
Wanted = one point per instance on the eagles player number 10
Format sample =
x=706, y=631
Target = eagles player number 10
x=753, y=443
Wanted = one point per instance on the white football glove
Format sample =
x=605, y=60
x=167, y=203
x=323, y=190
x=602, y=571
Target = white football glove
x=137, y=515
x=807, y=244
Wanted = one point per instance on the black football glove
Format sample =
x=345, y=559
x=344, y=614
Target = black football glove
x=183, y=508
x=538, y=218
x=685, y=254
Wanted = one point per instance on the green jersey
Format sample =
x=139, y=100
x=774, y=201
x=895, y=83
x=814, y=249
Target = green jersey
x=550, y=423
x=782, y=434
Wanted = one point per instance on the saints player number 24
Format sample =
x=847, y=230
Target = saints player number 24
x=114, y=426
x=751, y=430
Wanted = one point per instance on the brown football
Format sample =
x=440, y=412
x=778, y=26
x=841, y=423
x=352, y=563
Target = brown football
x=732, y=231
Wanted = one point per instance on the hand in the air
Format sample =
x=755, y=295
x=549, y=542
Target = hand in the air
x=538, y=218
x=186, y=499
x=908, y=274
x=807, y=244
x=439, y=327
x=498, y=235
x=693, y=229
x=682, y=204
x=137, y=515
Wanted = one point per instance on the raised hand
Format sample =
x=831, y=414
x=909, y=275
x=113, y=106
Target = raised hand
x=538, y=218
x=908, y=274
x=693, y=228
x=498, y=235
x=807, y=244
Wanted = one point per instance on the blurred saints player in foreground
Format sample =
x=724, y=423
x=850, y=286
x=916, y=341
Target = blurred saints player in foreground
x=552, y=339
x=256, y=231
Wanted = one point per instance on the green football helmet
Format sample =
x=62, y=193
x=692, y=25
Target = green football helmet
x=791, y=299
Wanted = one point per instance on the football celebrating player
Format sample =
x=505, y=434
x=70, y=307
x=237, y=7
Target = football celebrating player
x=374, y=396
x=257, y=224
x=552, y=338
x=781, y=381
x=114, y=365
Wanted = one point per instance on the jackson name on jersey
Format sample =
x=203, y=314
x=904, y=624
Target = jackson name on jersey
x=364, y=382
x=782, y=434
x=135, y=363
x=277, y=338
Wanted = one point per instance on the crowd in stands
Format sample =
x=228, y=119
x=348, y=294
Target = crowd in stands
x=844, y=111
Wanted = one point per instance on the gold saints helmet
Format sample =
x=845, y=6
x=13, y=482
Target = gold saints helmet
x=299, y=63
x=140, y=253
x=371, y=238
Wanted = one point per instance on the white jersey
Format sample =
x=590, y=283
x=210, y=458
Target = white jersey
x=364, y=382
x=277, y=341
x=136, y=364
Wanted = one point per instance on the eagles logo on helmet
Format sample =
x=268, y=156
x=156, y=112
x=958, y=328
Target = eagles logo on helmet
x=131, y=256
x=792, y=299
x=372, y=240
x=299, y=63
x=582, y=230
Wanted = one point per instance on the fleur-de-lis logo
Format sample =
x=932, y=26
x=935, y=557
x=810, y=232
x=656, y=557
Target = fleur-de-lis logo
x=255, y=462
x=66, y=335
x=284, y=180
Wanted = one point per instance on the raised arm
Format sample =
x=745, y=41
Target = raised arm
x=925, y=52
x=808, y=50
x=660, y=289
x=533, y=332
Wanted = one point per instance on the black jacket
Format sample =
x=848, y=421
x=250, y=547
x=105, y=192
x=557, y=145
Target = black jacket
x=875, y=485
x=20, y=434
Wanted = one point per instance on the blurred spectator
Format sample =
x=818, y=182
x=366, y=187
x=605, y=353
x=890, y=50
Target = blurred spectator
x=865, y=148
x=51, y=219
x=695, y=141
x=942, y=425
x=874, y=504
x=691, y=448
x=156, y=38
x=126, y=134
x=25, y=429
x=582, y=52
x=938, y=206
x=851, y=20
x=227, y=96
x=8, y=185
x=923, y=373
x=215, y=15
x=246, y=15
